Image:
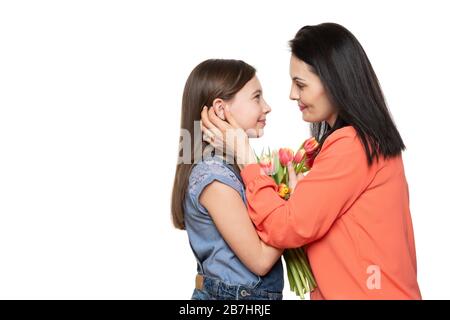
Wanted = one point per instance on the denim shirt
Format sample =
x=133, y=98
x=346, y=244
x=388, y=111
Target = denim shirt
x=215, y=258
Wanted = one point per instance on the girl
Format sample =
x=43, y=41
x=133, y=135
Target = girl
x=208, y=198
x=352, y=209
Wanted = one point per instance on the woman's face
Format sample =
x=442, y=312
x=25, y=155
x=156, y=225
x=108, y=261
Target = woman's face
x=308, y=91
x=248, y=108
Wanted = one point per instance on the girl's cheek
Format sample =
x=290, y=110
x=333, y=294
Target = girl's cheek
x=240, y=119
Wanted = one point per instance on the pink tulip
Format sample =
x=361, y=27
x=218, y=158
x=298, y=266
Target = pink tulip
x=299, y=155
x=267, y=164
x=285, y=155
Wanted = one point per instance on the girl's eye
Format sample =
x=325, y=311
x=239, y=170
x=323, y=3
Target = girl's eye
x=300, y=86
x=258, y=96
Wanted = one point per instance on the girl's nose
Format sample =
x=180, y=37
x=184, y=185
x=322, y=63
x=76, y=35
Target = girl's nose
x=267, y=108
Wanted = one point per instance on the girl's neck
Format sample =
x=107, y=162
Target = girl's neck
x=227, y=158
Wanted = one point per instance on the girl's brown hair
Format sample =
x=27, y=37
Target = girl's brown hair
x=211, y=79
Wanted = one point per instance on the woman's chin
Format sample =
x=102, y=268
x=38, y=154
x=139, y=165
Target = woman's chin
x=306, y=118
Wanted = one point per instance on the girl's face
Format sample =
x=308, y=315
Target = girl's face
x=248, y=108
x=308, y=91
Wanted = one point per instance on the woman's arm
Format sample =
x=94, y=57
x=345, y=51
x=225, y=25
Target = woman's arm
x=339, y=176
x=230, y=215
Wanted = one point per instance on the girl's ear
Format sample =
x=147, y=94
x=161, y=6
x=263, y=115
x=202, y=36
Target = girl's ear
x=219, y=106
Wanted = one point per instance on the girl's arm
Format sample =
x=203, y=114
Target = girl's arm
x=230, y=216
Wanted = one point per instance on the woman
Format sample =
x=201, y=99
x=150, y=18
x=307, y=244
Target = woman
x=352, y=209
x=208, y=198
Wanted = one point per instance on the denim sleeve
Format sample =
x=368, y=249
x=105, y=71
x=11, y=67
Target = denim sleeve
x=204, y=173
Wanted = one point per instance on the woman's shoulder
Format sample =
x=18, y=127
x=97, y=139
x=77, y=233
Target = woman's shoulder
x=344, y=138
x=347, y=131
x=343, y=145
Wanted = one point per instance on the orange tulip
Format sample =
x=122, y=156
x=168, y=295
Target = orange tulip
x=283, y=190
x=309, y=161
x=311, y=145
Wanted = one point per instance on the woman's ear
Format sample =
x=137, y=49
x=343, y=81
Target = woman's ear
x=219, y=105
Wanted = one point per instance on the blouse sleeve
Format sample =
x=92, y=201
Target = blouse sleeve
x=339, y=176
x=207, y=172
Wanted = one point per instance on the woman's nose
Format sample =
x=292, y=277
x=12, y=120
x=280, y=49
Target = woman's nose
x=294, y=95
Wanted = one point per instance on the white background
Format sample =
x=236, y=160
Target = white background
x=90, y=95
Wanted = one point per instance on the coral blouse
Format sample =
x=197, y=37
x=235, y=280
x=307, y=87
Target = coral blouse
x=353, y=218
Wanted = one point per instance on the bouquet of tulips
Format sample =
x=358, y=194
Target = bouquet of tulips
x=274, y=164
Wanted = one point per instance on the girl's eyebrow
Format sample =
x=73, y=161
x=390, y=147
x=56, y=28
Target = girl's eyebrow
x=257, y=91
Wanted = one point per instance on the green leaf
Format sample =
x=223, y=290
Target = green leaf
x=278, y=176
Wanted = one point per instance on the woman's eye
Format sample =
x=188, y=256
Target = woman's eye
x=258, y=96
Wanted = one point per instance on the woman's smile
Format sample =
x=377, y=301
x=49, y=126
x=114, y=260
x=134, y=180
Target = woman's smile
x=302, y=107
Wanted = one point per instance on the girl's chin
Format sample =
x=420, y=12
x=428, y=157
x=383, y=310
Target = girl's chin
x=255, y=133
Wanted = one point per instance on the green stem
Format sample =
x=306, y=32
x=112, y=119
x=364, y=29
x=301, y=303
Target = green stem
x=290, y=277
x=300, y=165
x=307, y=266
x=295, y=274
x=287, y=177
x=301, y=271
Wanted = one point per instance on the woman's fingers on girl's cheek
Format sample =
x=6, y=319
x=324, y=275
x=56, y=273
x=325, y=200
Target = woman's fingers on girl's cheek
x=203, y=127
x=206, y=138
x=229, y=117
x=205, y=119
x=206, y=131
x=211, y=131
x=212, y=116
x=213, y=136
x=216, y=121
x=216, y=132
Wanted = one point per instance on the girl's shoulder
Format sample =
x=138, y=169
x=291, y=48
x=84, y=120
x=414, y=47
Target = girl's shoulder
x=208, y=170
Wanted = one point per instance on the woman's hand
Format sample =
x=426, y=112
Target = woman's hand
x=293, y=177
x=227, y=136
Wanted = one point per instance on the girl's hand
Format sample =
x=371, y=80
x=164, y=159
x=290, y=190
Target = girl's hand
x=293, y=178
x=227, y=136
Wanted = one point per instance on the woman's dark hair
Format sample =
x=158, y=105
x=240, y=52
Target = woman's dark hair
x=211, y=79
x=335, y=55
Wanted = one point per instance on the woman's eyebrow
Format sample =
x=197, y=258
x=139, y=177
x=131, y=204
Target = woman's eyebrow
x=257, y=91
x=297, y=79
